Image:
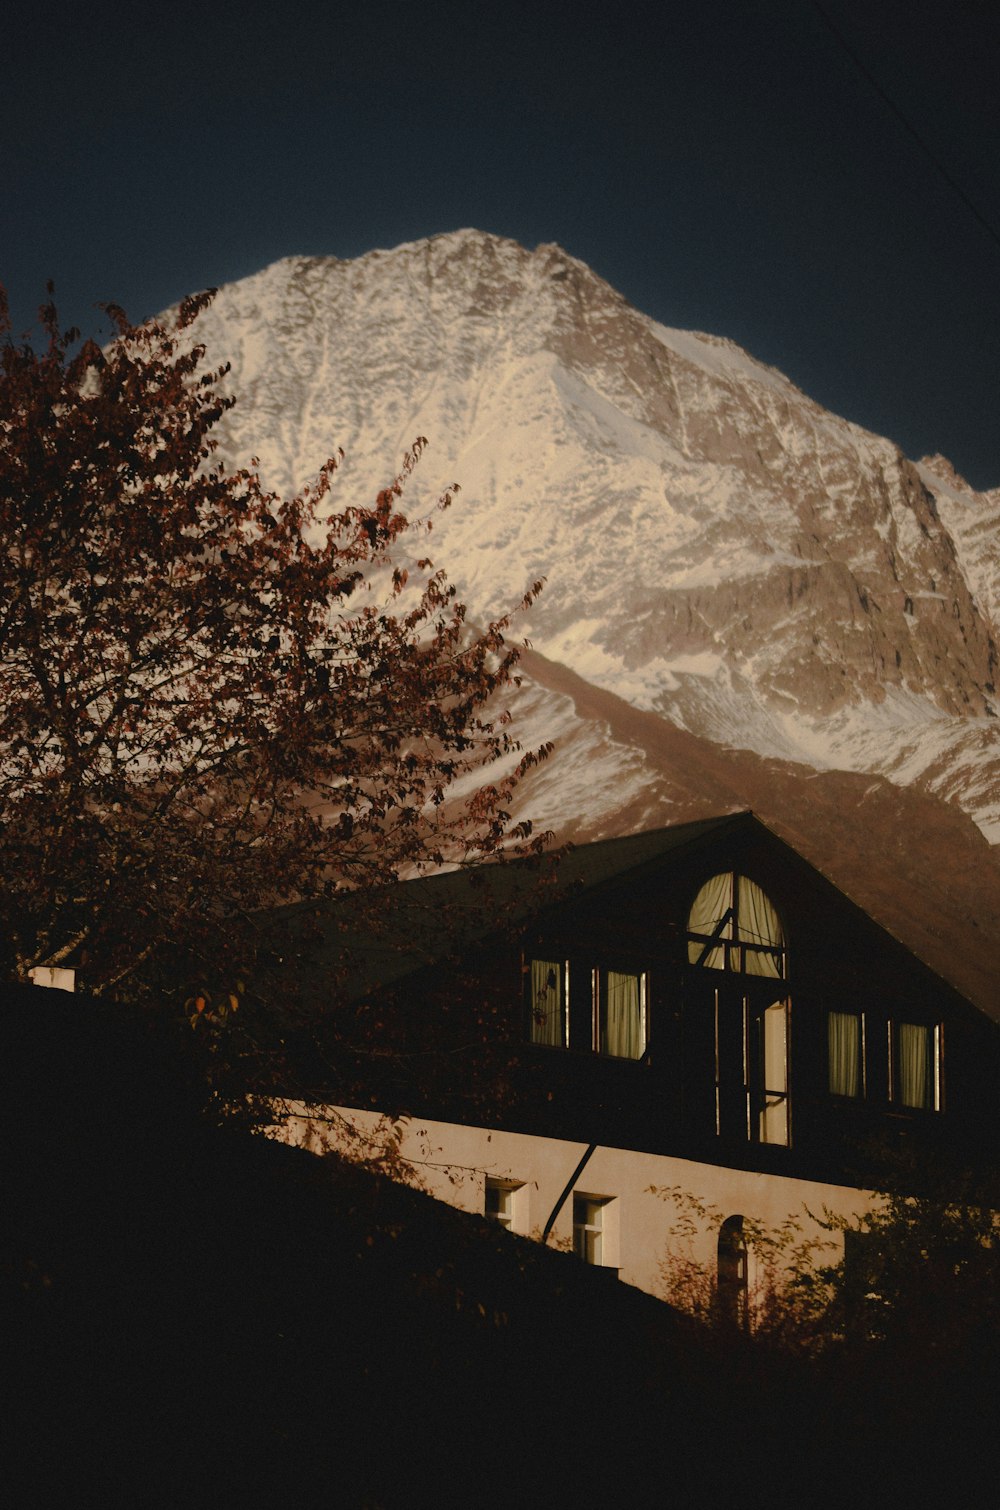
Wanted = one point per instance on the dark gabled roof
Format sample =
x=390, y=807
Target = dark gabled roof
x=590, y=864
x=380, y=939
x=377, y=940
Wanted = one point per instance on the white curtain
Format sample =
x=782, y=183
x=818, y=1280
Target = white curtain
x=711, y=904
x=914, y=1065
x=624, y=1028
x=547, y=998
x=759, y=924
x=843, y=1030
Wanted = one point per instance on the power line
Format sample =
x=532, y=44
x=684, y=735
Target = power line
x=908, y=126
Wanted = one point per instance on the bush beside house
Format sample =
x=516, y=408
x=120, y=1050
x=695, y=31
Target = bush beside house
x=201, y=1317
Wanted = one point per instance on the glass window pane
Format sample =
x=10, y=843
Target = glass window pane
x=776, y=1047
x=759, y=924
x=843, y=1030
x=915, y=1065
x=773, y=1117
x=711, y=904
x=623, y=1024
x=774, y=1120
x=733, y=1271
x=588, y=1229
x=737, y=928
x=547, y=986
x=500, y=1202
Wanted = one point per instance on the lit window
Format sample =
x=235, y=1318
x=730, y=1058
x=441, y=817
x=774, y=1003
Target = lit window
x=620, y=1001
x=752, y=1076
x=500, y=1201
x=613, y=1022
x=773, y=1109
x=845, y=1032
x=548, y=1001
x=915, y=1065
x=588, y=1228
x=734, y=926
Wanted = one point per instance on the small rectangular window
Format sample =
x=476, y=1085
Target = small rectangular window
x=588, y=1229
x=500, y=1202
x=915, y=1065
x=548, y=1001
x=845, y=1033
x=620, y=1002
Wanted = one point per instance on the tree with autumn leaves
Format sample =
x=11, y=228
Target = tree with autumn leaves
x=213, y=700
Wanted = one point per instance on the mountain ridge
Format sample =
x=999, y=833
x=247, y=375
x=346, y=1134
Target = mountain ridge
x=719, y=549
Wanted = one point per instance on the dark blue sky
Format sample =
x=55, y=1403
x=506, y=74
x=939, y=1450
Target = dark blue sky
x=724, y=164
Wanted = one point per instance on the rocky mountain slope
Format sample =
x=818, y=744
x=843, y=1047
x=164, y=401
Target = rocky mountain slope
x=719, y=549
x=750, y=601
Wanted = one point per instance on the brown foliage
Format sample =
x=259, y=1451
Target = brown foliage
x=785, y=1299
x=212, y=700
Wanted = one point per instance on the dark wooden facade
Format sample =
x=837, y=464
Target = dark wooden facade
x=696, y=1090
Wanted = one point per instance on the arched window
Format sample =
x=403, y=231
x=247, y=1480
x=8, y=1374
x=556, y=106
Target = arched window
x=736, y=943
x=733, y=1287
x=733, y=925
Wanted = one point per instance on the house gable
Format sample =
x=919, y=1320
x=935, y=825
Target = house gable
x=694, y=1014
x=791, y=1056
x=795, y=1036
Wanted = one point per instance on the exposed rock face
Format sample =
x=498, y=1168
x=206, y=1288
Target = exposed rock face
x=973, y=521
x=719, y=549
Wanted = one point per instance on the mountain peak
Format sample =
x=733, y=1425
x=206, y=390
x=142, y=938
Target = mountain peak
x=945, y=472
x=720, y=550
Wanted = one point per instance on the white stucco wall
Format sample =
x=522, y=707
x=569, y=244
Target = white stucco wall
x=641, y=1223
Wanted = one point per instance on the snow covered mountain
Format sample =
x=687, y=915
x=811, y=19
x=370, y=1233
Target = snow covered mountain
x=750, y=601
x=719, y=549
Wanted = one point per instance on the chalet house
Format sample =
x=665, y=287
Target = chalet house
x=693, y=1020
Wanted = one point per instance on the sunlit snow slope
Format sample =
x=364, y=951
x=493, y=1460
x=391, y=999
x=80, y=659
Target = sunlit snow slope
x=719, y=549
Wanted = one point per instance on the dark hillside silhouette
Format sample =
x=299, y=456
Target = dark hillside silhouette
x=198, y=1317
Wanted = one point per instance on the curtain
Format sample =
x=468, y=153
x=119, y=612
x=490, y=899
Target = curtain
x=914, y=1065
x=624, y=1029
x=774, y=1111
x=843, y=1031
x=759, y=924
x=547, y=999
x=711, y=904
